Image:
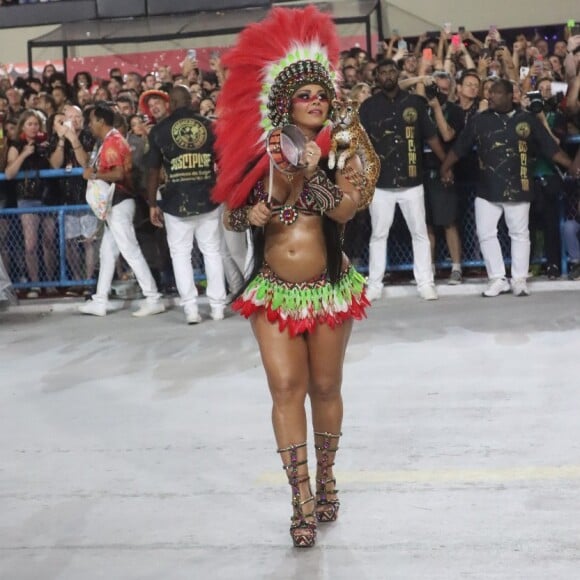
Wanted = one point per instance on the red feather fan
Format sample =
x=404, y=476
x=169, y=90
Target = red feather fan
x=243, y=123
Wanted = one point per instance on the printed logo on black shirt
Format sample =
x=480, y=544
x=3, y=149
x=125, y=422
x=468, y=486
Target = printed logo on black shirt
x=189, y=133
x=523, y=130
x=410, y=115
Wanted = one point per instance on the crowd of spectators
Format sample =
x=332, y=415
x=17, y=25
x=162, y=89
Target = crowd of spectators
x=459, y=66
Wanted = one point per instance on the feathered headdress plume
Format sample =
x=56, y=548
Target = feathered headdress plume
x=290, y=48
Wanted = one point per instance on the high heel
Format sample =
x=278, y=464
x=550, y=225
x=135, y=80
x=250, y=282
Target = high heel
x=303, y=526
x=326, y=509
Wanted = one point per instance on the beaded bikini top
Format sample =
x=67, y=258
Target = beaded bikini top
x=288, y=213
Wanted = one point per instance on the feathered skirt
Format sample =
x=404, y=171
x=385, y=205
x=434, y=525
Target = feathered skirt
x=300, y=307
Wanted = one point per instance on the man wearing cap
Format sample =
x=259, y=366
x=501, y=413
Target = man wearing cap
x=182, y=144
x=154, y=104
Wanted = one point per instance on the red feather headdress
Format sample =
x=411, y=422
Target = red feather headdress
x=290, y=48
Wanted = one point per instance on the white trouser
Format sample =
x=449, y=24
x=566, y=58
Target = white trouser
x=382, y=210
x=517, y=215
x=4, y=279
x=234, y=250
x=205, y=228
x=120, y=237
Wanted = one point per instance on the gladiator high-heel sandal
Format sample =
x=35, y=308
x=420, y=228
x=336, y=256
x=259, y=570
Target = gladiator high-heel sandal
x=303, y=526
x=326, y=508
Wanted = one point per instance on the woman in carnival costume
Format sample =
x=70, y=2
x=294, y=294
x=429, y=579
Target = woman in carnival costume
x=303, y=294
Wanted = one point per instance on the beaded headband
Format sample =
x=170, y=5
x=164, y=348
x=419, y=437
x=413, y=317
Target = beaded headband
x=302, y=66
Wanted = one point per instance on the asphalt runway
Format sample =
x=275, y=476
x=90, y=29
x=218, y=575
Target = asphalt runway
x=141, y=449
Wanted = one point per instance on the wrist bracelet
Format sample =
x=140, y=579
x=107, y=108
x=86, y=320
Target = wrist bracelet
x=239, y=218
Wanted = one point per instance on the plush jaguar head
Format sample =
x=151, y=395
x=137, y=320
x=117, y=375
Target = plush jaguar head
x=345, y=112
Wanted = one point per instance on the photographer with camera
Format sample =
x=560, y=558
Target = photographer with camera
x=441, y=203
x=30, y=153
x=545, y=208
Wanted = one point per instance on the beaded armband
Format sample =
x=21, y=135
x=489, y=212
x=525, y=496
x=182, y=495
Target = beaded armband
x=325, y=193
x=238, y=219
x=359, y=180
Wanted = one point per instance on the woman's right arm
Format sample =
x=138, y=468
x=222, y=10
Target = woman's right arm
x=15, y=159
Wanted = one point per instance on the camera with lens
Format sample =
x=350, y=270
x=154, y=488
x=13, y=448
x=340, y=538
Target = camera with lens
x=536, y=102
x=41, y=145
x=551, y=105
x=431, y=91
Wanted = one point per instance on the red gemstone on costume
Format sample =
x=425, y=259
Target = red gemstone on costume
x=288, y=215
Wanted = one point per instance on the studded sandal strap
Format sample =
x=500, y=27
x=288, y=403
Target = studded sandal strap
x=329, y=435
x=291, y=447
x=326, y=481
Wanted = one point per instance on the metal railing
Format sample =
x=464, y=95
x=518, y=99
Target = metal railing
x=58, y=258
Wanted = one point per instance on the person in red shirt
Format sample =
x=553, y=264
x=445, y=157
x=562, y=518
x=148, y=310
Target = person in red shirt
x=113, y=165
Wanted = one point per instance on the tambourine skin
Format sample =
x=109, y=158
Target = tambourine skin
x=285, y=146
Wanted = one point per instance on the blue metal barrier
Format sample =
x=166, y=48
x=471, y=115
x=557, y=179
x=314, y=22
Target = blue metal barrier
x=45, y=173
x=14, y=243
x=399, y=257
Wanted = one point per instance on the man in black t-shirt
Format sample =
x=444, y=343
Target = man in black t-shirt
x=441, y=202
x=507, y=140
x=182, y=144
x=397, y=124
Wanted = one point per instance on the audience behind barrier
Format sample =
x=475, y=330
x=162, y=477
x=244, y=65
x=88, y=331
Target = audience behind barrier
x=467, y=63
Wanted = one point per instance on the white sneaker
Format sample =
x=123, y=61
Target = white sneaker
x=94, y=308
x=496, y=287
x=149, y=308
x=374, y=293
x=428, y=292
x=217, y=313
x=520, y=288
x=192, y=316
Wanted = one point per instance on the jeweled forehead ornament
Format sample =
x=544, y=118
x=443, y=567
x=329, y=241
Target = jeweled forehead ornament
x=293, y=75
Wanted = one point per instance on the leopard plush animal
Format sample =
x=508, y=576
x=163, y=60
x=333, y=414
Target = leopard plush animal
x=349, y=138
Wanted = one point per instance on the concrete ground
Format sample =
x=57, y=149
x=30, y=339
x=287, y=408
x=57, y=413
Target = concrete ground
x=141, y=449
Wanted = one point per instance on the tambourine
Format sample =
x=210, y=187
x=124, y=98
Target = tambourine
x=285, y=147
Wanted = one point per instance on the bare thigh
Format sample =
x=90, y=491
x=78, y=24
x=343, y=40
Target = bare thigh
x=285, y=359
x=326, y=350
